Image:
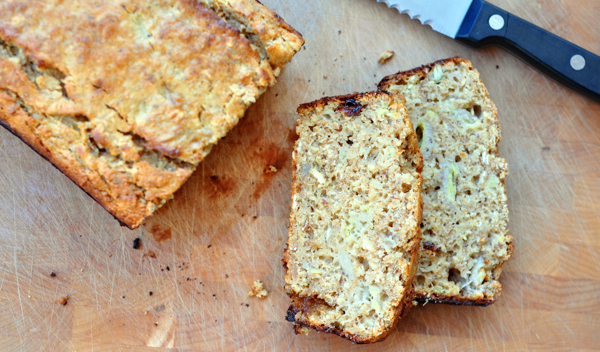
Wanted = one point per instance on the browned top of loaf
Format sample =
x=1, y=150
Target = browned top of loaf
x=126, y=97
x=400, y=77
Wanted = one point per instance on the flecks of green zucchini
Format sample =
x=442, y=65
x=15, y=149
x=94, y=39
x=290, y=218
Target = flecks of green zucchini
x=451, y=176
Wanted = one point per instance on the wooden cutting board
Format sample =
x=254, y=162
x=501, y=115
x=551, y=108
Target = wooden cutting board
x=186, y=287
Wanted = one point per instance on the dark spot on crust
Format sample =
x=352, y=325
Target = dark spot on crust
x=453, y=300
x=159, y=233
x=291, y=313
x=350, y=107
x=137, y=243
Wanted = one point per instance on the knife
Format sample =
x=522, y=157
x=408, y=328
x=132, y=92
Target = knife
x=478, y=23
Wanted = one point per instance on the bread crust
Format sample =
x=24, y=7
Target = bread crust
x=400, y=77
x=36, y=146
x=422, y=71
x=301, y=305
x=125, y=100
x=273, y=35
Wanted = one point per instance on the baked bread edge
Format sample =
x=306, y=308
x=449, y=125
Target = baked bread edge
x=422, y=71
x=407, y=301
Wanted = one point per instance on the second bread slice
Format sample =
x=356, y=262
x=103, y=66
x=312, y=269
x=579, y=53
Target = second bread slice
x=356, y=209
x=465, y=241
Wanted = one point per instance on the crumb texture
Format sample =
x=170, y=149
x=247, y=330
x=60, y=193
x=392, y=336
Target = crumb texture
x=258, y=290
x=465, y=215
x=127, y=97
x=354, y=223
x=385, y=56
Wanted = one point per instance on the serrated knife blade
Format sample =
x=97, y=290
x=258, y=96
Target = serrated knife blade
x=478, y=23
x=444, y=16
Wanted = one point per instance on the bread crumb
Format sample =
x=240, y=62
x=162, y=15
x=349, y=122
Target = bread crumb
x=302, y=330
x=271, y=169
x=258, y=290
x=64, y=300
x=385, y=56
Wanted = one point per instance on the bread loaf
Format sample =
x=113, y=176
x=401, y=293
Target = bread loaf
x=354, y=224
x=127, y=97
x=465, y=216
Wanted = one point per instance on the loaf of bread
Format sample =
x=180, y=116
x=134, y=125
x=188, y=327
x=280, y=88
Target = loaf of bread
x=465, y=216
x=356, y=208
x=127, y=97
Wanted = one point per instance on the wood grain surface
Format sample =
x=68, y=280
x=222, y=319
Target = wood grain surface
x=186, y=288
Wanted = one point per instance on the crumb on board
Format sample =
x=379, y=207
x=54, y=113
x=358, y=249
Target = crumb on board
x=385, y=56
x=136, y=243
x=64, y=300
x=53, y=274
x=258, y=290
x=271, y=169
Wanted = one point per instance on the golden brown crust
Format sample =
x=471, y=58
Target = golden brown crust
x=100, y=197
x=401, y=77
x=422, y=71
x=273, y=35
x=339, y=98
x=127, y=97
x=301, y=306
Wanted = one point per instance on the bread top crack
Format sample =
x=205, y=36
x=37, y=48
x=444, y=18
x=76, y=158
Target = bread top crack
x=127, y=97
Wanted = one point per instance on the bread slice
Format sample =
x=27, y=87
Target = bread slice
x=354, y=224
x=127, y=97
x=465, y=216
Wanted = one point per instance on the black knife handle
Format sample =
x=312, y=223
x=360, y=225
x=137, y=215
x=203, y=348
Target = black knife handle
x=565, y=62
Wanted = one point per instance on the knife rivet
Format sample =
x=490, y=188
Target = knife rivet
x=577, y=62
x=496, y=22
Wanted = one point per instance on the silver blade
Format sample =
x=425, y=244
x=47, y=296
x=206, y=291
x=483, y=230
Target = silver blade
x=444, y=16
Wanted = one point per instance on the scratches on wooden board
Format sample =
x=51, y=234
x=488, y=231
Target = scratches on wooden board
x=550, y=286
